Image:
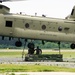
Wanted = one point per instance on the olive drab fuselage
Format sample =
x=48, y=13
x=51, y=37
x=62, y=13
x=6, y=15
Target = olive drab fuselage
x=37, y=27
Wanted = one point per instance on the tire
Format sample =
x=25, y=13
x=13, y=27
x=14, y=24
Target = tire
x=72, y=46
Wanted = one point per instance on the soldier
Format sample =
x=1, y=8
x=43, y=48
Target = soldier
x=38, y=50
x=31, y=51
x=31, y=48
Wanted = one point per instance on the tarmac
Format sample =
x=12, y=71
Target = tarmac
x=19, y=60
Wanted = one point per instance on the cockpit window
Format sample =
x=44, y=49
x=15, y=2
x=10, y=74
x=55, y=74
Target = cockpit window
x=72, y=12
x=8, y=24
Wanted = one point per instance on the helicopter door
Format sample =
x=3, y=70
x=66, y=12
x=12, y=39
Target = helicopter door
x=9, y=27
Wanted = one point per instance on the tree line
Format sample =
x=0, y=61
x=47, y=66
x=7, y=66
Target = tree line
x=48, y=45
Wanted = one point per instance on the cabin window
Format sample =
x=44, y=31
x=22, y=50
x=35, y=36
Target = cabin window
x=43, y=27
x=27, y=25
x=8, y=24
x=60, y=28
x=72, y=12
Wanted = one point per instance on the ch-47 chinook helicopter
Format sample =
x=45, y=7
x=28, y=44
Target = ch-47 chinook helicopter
x=36, y=27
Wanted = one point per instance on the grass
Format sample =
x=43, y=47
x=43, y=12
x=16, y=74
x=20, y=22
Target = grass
x=36, y=67
x=33, y=68
x=9, y=53
x=66, y=53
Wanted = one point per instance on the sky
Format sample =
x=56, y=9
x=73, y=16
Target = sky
x=50, y=8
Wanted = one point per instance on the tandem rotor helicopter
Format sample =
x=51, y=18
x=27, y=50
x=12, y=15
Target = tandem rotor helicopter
x=36, y=27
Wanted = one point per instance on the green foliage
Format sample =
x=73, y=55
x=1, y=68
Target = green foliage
x=48, y=45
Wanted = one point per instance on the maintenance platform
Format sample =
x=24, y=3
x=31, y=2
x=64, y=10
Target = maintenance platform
x=44, y=57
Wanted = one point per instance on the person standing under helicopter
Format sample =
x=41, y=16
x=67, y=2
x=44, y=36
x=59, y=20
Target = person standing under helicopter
x=38, y=50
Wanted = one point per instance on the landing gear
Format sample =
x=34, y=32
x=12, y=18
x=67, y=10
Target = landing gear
x=59, y=46
x=72, y=46
x=23, y=53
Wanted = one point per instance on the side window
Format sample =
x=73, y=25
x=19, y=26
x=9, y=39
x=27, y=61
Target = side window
x=60, y=28
x=8, y=24
x=43, y=27
x=27, y=25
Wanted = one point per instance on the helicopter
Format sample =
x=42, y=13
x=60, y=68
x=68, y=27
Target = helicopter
x=36, y=27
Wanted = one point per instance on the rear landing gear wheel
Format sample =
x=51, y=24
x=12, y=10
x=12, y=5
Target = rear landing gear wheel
x=72, y=46
x=59, y=47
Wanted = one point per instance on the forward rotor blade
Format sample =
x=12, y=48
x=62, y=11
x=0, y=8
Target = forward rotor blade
x=9, y=0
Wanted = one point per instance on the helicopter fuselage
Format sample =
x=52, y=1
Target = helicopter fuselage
x=37, y=27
